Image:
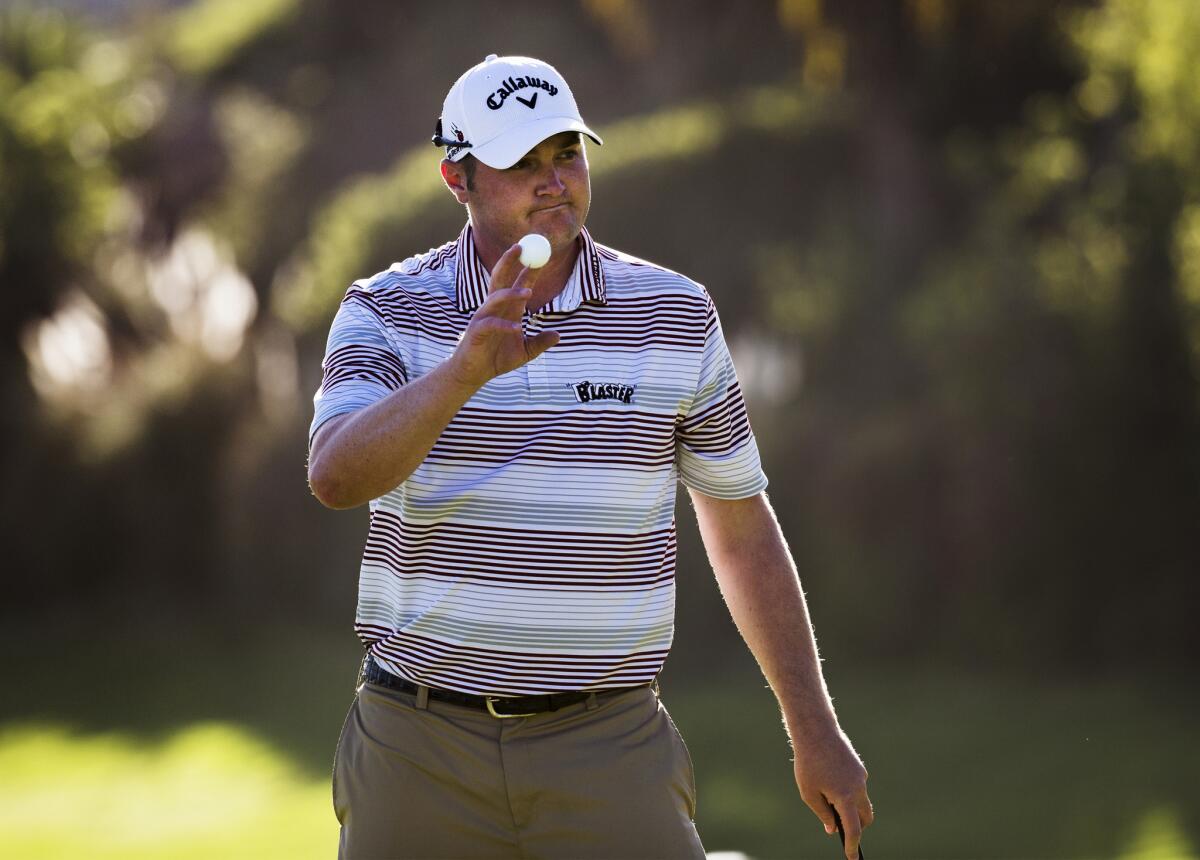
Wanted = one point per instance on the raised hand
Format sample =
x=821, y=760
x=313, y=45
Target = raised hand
x=494, y=341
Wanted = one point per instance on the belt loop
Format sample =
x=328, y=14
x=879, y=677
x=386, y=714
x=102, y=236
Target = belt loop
x=591, y=701
x=422, y=697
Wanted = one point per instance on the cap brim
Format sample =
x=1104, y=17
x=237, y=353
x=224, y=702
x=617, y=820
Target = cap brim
x=506, y=150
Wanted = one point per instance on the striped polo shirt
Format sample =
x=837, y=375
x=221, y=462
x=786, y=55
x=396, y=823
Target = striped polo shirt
x=533, y=550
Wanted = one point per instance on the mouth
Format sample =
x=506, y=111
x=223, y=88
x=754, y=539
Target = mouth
x=555, y=208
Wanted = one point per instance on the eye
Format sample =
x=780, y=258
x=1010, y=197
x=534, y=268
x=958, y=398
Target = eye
x=569, y=154
x=520, y=165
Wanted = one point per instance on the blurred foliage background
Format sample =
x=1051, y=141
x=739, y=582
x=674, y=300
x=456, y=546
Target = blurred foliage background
x=956, y=248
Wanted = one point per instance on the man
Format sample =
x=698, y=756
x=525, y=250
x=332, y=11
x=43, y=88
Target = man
x=518, y=434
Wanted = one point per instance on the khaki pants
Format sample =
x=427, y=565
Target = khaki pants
x=610, y=778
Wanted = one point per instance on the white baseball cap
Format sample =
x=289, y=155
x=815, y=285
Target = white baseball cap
x=504, y=107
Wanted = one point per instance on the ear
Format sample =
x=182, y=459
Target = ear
x=455, y=178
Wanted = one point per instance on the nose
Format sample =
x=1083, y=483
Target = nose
x=550, y=183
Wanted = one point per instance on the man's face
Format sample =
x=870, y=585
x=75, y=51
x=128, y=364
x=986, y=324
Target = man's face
x=548, y=191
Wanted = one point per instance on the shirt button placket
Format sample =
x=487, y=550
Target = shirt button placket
x=538, y=378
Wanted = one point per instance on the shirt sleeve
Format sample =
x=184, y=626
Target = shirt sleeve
x=361, y=366
x=715, y=448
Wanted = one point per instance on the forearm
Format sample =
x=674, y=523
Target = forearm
x=761, y=587
x=762, y=590
x=372, y=451
x=362, y=455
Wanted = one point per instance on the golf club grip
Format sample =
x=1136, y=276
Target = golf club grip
x=837, y=819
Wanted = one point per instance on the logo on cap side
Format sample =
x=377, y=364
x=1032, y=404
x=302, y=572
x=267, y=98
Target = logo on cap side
x=452, y=151
x=495, y=100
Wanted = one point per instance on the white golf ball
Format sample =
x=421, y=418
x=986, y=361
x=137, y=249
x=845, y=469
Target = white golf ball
x=535, y=250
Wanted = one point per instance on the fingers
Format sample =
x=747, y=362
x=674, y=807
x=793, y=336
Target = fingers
x=539, y=343
x=823, y=811
x=508, y=304
x=509, y=272
x=851, y=828
x=506, y=270
x=483, y=330
x=866, y=812
x=527, y=277
x=852, y=814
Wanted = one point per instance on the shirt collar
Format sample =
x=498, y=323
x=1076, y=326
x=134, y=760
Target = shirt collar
x=586, y=283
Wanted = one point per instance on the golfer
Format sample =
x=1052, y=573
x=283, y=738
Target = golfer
x=518, y=434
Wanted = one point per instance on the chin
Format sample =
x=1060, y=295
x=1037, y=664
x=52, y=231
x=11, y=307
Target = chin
x=561, y=233
x=564, y=241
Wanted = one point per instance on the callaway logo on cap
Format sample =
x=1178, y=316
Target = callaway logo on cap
x=504, y=107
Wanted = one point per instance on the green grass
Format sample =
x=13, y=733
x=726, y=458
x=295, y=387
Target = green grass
x=230, y=758
x=209, y=791
x=962, y=768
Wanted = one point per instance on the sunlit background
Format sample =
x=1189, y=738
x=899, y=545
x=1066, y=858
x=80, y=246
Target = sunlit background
x=956, y=249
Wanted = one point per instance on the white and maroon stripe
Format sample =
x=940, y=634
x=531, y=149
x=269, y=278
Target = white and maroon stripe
x=472, y=279
x=534, y=548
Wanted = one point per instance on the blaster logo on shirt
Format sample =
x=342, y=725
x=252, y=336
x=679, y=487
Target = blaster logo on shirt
x=586, y=392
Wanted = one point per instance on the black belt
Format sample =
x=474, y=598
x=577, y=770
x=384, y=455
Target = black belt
x=497, y=706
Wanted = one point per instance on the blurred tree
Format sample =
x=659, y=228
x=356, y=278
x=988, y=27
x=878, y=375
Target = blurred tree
x=1061, y=367
x=956, y=247
x=108, y=359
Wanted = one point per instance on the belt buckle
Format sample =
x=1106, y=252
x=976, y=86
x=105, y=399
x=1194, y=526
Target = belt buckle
x=492, y=710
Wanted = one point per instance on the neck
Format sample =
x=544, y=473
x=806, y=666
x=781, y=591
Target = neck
x=551, y=279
